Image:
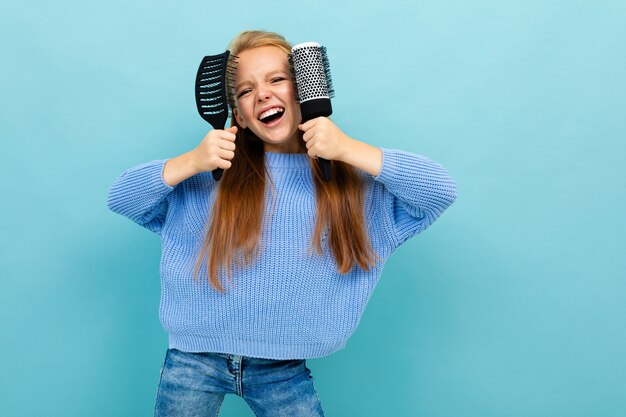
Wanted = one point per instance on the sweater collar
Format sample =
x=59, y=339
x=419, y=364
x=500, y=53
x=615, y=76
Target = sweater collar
x=287, y=160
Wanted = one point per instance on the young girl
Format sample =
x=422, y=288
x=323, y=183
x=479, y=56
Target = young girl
x=271, y=265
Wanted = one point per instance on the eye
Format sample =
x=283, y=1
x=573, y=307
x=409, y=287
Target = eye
x=243, y=92
x=277, y=79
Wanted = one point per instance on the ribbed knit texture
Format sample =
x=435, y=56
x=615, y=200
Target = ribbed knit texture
x=289, y=304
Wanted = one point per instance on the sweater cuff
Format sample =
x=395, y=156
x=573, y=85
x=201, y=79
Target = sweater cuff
x=151, y=175
x=389, y=165
x=139, y=188
x=161, y=165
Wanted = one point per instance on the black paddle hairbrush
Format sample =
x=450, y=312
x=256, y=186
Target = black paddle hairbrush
x=311, y=72
x=211, y=98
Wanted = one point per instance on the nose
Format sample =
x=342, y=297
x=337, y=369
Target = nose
x=263, y=95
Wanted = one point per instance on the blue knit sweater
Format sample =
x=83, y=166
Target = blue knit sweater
x=288, y=304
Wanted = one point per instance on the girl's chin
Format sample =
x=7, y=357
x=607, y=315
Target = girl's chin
x=278, y=137
x=291, y=143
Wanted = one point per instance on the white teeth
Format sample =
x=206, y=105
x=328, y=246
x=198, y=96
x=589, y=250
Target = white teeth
x=270, y=112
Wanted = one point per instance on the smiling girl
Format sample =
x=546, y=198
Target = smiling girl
x=265, y=99
x=302, y=256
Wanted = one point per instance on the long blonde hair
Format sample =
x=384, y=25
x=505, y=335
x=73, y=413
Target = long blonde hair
x=237, y=214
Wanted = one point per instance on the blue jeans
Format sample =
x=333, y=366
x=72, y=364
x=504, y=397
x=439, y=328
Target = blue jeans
x=194, y=384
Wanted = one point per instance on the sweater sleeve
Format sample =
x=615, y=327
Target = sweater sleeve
x=418, y=191
x=140, y=194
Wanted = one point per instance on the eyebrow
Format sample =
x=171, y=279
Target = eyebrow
x=269, y=74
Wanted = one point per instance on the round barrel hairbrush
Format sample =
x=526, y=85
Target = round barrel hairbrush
x=309, y=64
x=210, y=92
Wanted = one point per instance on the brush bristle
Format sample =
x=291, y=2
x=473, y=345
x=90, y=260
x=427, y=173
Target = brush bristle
x=292, y=71
x=329, y=81
x=310, y=70
x=231, y=73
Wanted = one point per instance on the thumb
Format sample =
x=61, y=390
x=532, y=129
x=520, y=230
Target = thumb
x=232, y=129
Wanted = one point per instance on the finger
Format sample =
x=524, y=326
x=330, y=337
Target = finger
x=228, y=135
x=224, y=164
x=224, y=154
x=308, y=125
x=228, y=145
x=308, y=135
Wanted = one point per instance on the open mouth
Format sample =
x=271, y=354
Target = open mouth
x=272, y=115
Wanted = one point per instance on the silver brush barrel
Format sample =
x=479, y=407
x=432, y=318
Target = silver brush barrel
x=312, y=77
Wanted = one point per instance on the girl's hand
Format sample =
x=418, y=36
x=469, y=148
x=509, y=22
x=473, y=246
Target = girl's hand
x=215, y=151
x=324, y=139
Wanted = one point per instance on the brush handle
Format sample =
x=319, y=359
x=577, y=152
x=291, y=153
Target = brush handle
x=217, y=173
x=311, y=113
x=324, y=165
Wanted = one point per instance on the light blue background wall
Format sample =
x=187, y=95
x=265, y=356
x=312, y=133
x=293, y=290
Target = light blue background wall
x=511, y=304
